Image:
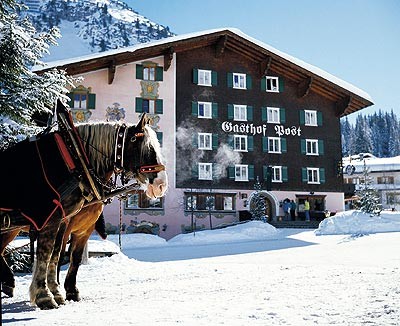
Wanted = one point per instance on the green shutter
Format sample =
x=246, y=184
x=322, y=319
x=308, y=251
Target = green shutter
x=195, y=140
x=231, y=172
x=321, y=175
x=159, y=106
x=284, y=174
x=265, y=144
x=264, y=114
x=71, y=100
x=282, y=115
x=283, y=145
x=281, y=84
x=214, y=78
x=160, y=137
x=303, y=146
x=230, y=111
x=195, y=170
x=265, y=172
x=91, y=101
x=214, y=110
x=264, y=84
x=319, y=118
x=249, y=113
x=195, y=109
x=302, y=117
x=231, y=141
x=320, y=147
x=159, y=73
x=304, y=176
x=230, y=79
x=214, y=141
x=250, y=169
x=195, y=76
x=250, y=143
x=139, y=71
x=139, y=104
x=249, y=82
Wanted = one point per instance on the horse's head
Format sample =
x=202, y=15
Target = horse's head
x=143, y=159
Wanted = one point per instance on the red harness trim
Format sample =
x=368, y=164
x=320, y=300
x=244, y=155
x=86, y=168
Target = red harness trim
x=64, y=152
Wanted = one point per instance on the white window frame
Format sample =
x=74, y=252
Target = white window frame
x=310, y=118
x=207, y=110
x=239, y=112
x=276, y=174
x=202, y=141
x=80, y=100
x=238, y=145
x=204, y=77
x=312, y=143
x=276, y=145
x=273, y=115
x=241, y=80
x=149, y=73
x=228, y=203
x=272, y=84
x=313, y=176
x=205, y=171
x=241, y=172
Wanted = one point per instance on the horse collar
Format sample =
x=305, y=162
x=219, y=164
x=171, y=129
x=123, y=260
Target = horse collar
x=119, y=148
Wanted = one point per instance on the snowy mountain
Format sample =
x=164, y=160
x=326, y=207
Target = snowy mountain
x=90, y=26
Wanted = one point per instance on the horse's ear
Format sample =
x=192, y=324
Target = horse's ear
x=144, y=120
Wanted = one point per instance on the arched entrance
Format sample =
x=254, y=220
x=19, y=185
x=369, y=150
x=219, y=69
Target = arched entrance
x=271, y=204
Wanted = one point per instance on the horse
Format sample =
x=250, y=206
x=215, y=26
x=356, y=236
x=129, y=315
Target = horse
x=133, y=151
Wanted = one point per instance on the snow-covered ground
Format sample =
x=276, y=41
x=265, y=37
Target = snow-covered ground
x=249, y=274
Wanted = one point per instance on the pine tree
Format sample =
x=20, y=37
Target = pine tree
x=258, y=204
x=369, y=201
x=362, y=139
x=347, y=137
x=22, y=92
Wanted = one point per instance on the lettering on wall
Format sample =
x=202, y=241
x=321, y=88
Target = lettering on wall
x=251, y=129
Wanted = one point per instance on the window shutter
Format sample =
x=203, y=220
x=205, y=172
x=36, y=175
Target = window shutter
x=139, y=104
x=214, y=110
x=214, y=78
x=265, y=172
x=304, y=176
x=281, y=84
x=91, y=101
x=231, y=141
x=139, y=71
x=160, y=137
x=231, y=172
x=282, y=115
x=230, y=80
x=195, y=76
x=321, y=175
x=319, y=118
x=265, y=144
x=302, y=117
x=195, y=140
x=250, y=169
x=264, y=114
x=230, y=111
x=159, y=73
x=159, y=106
x=71, y=100
x=195, y=170
x=284, y=174
x=249, y=82
x=250, y=143
x=320, y=147
x=249, y=113
x=303, y=146
x=215, y=141
x=195, y=109
x=264, y=84
x=283, y=145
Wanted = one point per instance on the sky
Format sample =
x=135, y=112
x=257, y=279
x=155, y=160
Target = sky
x=355, y=40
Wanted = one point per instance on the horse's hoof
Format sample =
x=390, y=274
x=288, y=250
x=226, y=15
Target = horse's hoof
x=73, y=296
x=46, y=303
x=7, y=290
x=59, y=299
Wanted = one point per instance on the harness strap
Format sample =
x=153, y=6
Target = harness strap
x=119, y=148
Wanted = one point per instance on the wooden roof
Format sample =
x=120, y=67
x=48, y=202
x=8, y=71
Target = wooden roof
x=348, y=98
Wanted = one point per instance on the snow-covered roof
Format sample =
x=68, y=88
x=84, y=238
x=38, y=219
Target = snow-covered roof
x=312, y=69
x=374, y=164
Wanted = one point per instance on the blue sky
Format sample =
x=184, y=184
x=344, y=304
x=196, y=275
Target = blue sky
x=355, y=40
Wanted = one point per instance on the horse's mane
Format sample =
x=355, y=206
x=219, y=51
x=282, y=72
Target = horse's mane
x=151, y=139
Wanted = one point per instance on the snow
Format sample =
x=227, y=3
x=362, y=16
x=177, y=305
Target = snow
x=248, y=274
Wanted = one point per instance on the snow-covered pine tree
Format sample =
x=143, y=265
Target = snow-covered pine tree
x=258, y=204
x=347, y=137
x=369, y=201
x=22, y=92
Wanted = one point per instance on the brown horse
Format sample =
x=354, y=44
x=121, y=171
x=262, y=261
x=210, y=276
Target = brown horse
x=141, y=159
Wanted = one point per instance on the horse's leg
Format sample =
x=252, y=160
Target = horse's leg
x=52, y=274
x=39, y=292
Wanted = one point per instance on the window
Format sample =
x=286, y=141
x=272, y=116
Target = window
x=149, y=106
x=204, y=110
x=385, y=180
x=240, y=143
x=140, y=200
x=204, y=77
x=272, y=84
x=311, y=147
x=240, y=112
x=276, y=174
x=205, y=171
x=149, y=73
x=310, y=118
x=274, y=145
x=80, y=101
x=313, y=175
x=273, y=115
x=82, y=98
x=209, y=201
x=239, y=81
x=241, y=172
x=205, y=141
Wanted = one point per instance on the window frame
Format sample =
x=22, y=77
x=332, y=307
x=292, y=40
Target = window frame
x=220, y=202
x=310, y=118
x=273, y=112
x=273, y=88
x=204, y=135
x=241, y=83
x=242, y=176
x=209, y=108
x=202, y=77
x=314, y=174
x=239, y=138
x=242, y=109
x=143, y=200
x=312, y=143
x=274, y=174
x=276, y=144
x=202, y=174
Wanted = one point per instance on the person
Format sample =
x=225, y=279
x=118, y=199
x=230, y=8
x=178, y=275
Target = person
x=293, y=210
x=286, y=208
x=307, y=210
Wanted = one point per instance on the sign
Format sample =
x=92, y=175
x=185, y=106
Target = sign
x=251, y=129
